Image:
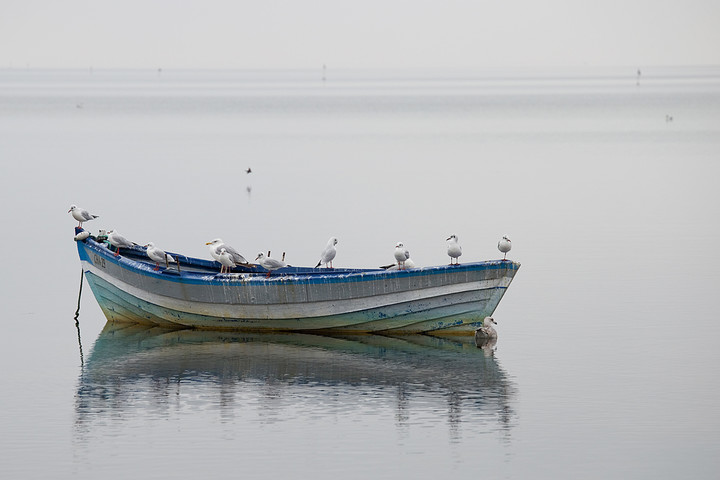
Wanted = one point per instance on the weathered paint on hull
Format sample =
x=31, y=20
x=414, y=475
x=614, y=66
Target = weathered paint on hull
x=451, y=300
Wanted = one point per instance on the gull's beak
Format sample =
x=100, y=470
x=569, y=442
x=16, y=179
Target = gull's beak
x=208, y=243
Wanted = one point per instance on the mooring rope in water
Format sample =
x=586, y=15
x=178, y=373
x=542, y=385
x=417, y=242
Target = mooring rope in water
x=77, y=314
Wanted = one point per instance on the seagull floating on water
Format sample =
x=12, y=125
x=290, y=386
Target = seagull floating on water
x=401, y=254
x=226, y=260
x=454, y=249
x=486, y=332
x=270, y=264
x=81, y=215
x=118, y=241
x=216, y=245
x=504, y=245
x=157, y=255
x=328, y=254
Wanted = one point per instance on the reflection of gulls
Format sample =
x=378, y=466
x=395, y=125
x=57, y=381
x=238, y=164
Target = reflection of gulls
x=158, y=256
x=216, y=245
x=270, y=264
x=81, y=215
x=454, y=249
x=401, y=254
x=226, y=260
x=486, y=332
x=118, y=241
x=328, y=254
x=504, y=245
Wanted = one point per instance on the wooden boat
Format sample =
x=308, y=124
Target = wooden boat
x=193, y=293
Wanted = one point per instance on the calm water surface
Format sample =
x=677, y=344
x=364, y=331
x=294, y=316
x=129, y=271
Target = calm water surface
x=606, y=362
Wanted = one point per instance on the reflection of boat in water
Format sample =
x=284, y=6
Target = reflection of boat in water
x=132, y=365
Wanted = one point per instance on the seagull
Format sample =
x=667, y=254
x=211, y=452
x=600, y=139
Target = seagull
x=401, y=254
x=407, y=265
x=157, y=255
x=249, y=170
x=504, y=246
x=226, y=259
x=454, y=249
x=328, y=254
x=487, y=331
x=117, y=241
x=82, y=236
x=218, y=244
x=81, y=215
x=270, y=264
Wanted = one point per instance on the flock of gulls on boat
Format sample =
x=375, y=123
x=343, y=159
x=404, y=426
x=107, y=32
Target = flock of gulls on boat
x=229, y=258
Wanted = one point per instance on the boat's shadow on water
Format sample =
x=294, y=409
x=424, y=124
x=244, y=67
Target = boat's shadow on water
x=133, y=367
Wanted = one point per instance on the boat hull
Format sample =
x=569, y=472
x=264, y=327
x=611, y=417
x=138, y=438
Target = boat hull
x=440, y=299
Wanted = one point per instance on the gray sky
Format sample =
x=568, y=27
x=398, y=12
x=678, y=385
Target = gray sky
x=368, y=33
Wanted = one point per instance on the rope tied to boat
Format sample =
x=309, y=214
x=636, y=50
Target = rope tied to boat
x=77, y=314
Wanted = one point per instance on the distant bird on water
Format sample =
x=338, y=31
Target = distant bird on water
x=486, y=332
x=328, y=254
x=118, y=241
x=270, y=264
x=81, y=215
x=504, y=245
x=226, y=260
x=401, y=254
x=454, y=250
x=216, y=245
x=158, y=256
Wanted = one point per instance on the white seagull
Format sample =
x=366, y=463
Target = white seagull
x=486, y=332
x=226, y=259
x=81, y=215
x=328, y=254
x=454, y=249
x=118, y=241
x=157, y=255
x=216, y=245
x=401, y=254
x=270, y=264
x=504, y=245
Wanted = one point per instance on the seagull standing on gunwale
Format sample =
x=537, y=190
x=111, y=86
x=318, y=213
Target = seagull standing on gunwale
x=216, y=245
x=226, y=260
x=81, y=215
x=118, y=241
x=401, y=254
x=504, y=245
x=270, y=264
x=157, y=255
x=328, y=254
x=454, y=250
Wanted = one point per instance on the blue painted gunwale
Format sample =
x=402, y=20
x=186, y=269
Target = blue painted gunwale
x=132, y=259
